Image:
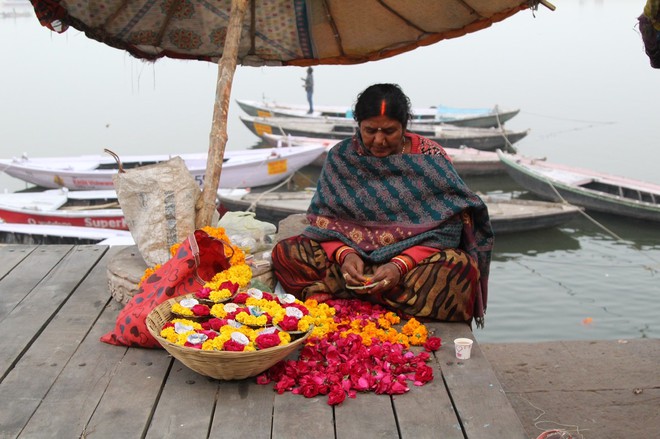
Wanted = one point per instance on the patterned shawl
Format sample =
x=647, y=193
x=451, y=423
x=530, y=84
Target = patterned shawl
x=382, y=206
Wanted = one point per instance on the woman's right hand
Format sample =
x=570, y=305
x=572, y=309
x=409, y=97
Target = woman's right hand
x=353, y=270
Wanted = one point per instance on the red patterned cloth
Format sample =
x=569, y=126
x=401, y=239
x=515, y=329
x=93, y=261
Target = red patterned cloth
x=196, y=261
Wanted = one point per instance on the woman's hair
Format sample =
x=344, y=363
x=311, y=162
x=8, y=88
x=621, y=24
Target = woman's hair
x=383, y=99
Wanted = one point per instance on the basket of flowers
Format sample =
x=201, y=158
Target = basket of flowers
x=238, y=340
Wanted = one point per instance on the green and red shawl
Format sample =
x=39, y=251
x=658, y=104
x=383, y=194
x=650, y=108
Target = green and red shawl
x=382, y=206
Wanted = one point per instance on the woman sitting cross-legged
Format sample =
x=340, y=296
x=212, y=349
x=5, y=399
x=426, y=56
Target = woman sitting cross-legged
x=391, y=222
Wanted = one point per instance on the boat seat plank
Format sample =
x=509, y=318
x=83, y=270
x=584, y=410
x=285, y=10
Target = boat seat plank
x=65, y=368
x=185, y=406
x=480, y=401
x=25, y=321
x=10, y=257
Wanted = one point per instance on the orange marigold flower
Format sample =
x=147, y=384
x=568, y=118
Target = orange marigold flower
x=410, y=327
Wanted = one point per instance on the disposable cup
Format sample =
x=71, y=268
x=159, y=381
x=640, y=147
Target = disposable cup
x=463, y=348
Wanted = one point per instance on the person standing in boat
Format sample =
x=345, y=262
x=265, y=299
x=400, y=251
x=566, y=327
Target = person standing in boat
x=391, y=222
x=309, y=88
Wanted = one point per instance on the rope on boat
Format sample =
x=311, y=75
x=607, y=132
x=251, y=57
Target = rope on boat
x=253, y=206
x=507, y=143
x=116, y=157
x=598, y=224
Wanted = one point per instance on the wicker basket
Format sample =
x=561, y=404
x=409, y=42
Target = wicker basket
x=221, y=365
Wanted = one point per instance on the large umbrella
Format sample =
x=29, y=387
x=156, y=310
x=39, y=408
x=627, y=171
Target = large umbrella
x=272, y=32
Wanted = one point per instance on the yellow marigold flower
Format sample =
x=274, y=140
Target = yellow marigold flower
x=218, y=295
x=178, y=309
x=285, y=337
x=218, y=310
x=248, y=319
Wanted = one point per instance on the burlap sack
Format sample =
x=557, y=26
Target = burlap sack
x=158, y=202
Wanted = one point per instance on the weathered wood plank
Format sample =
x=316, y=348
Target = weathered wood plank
x=125, y=408
x=23, y=389
x=244, y=410
x=367, y=416
x=478, y=397
x=427, y=411
x=297, y=417
x=12, y=255
x=27, y=274
x=29, y=317
x=185, y=406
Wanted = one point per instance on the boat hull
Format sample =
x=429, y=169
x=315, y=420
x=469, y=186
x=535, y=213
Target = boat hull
x=38, y=234
x=484, y=139
x=467, y=161
x=474, y=118
x=252, y=168
x=582, y=188
x=112, y=220
x=506, y=215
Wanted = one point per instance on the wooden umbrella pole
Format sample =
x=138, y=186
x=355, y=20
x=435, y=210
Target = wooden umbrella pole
x=218, y=137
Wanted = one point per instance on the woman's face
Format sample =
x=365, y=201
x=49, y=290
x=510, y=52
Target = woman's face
x=382, y=136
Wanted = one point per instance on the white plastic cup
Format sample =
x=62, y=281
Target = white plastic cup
x=463, y=348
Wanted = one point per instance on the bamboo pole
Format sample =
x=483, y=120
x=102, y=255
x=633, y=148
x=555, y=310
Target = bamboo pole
x=218, y=136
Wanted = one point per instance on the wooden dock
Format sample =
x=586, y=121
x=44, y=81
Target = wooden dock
x=58, y=380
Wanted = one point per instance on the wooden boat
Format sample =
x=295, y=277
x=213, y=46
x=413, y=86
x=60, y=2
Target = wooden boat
x=97, y=209
x=592, y=190
x=465, y=117
x=449, y=136
x=506, y=215
x=467, y=161
x=38, y=234
x=241, y=168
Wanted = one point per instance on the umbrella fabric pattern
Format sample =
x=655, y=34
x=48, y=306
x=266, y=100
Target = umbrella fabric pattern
x=275, y=32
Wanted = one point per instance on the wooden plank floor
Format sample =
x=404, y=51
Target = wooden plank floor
x=58, y=380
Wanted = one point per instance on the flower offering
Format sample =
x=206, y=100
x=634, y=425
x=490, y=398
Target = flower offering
x=359, y=350
x=352, y=346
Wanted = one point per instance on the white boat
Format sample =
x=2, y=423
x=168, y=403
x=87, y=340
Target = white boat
x=240, y=169
x=592, y=190
x=467, y=161
x=38, y=234
x=506, y=215
x=449, y=136
x=466, y=117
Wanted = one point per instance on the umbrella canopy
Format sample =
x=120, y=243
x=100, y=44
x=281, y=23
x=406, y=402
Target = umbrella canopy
x=269, y=32
x=275, y=32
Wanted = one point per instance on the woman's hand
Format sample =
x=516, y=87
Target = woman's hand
x=353, y=270
x=387, y=276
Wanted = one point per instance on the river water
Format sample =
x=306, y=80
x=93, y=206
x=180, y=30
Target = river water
x=579, y=75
